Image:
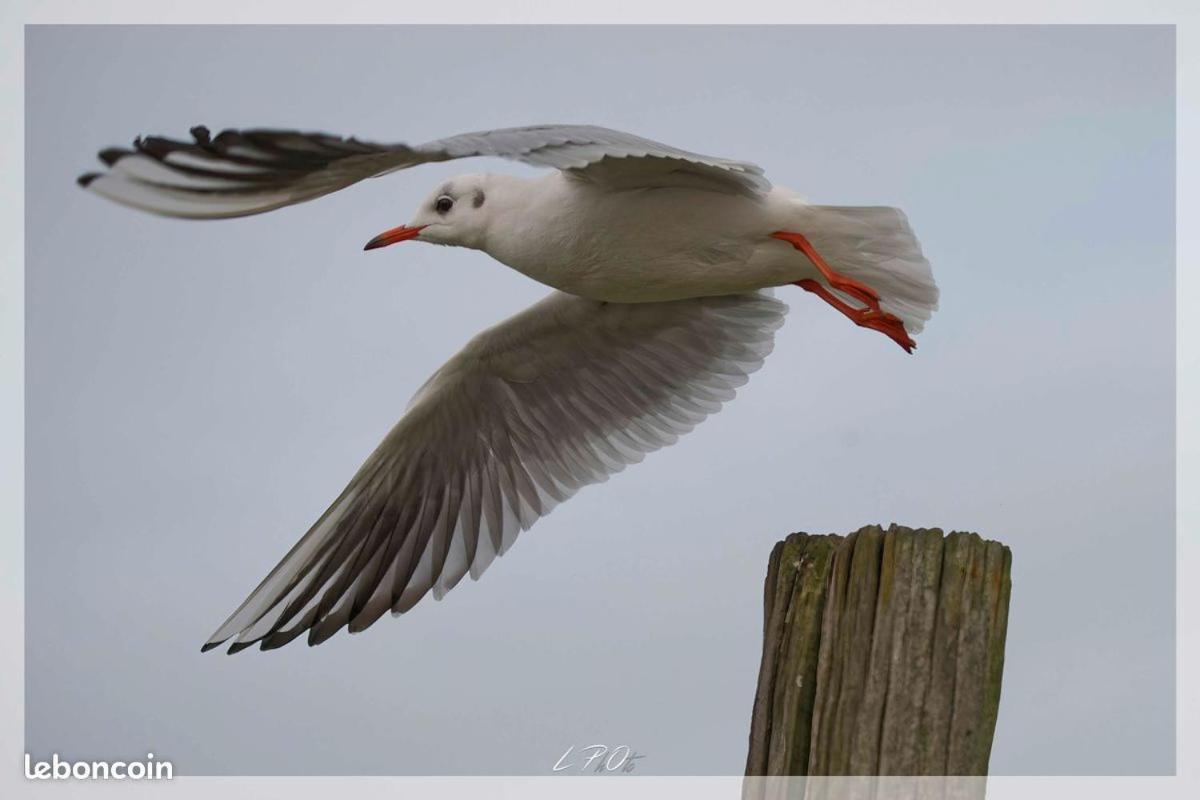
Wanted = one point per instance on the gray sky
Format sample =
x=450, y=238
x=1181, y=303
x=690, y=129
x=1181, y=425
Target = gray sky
x=198, y=392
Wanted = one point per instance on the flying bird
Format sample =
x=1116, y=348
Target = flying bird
x=662, y=263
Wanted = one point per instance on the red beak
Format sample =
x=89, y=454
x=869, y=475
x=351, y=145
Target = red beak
x=394, y=235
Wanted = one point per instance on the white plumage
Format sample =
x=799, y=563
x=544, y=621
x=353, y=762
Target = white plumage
x=663, y=260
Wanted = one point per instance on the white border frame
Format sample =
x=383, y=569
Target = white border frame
x=15, y=14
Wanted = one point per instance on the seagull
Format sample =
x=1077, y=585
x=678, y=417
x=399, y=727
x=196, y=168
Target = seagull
x=663, y=264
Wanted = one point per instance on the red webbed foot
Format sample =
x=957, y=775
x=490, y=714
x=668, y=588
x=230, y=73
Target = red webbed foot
x=871, y=316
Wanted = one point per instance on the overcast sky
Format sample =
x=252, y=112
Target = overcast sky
x=198, y=392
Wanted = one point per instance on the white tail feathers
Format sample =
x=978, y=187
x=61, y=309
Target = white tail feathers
x=874, y=244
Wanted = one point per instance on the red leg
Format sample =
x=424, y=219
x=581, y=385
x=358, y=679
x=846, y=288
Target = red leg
x=872, y=316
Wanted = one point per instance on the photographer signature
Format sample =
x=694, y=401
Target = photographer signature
x=599, y=758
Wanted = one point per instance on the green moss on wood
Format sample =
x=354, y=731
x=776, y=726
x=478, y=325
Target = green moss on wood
x=883, y=653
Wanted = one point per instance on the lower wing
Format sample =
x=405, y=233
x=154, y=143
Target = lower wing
x=560, y=396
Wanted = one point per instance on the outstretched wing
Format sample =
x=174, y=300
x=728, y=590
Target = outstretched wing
x=238, y=173
x=560, y=396
x=607, y=157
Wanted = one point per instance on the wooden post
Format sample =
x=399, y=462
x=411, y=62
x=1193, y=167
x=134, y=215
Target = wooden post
x=882, y=655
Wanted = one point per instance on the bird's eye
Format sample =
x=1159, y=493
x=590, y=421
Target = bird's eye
x=443, y=204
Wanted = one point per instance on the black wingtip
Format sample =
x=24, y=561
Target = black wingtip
x=111, y=155
x=238, y=647
x=85, y=180
x=323, y=632
x=209, y=646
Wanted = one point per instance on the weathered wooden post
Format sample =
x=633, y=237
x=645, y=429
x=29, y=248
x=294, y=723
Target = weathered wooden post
x=882, y=655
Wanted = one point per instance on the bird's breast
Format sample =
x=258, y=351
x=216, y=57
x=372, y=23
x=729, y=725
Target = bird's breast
x=639, y=246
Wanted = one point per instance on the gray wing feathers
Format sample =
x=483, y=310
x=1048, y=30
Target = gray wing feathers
x=610, y=157
x=238, y=173
x=558, y=397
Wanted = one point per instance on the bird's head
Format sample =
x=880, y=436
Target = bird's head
x=455, y=213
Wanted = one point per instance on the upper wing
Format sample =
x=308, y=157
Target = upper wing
x=612, y=158
x=238, y=173
x=560, y=396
